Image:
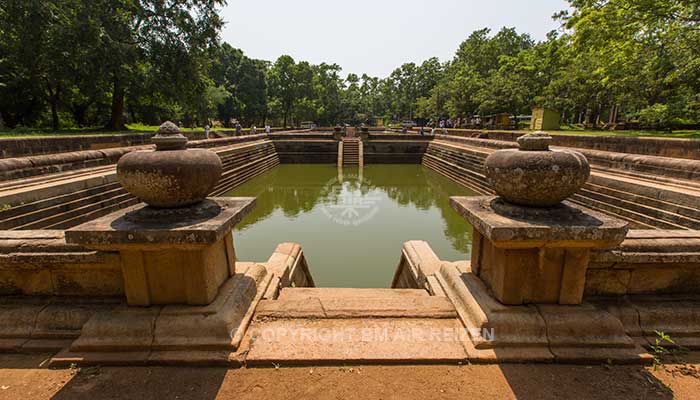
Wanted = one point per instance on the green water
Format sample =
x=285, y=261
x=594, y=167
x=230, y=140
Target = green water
x=352, y=224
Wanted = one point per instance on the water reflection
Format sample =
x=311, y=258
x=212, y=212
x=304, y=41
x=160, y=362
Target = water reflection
x=351, y=223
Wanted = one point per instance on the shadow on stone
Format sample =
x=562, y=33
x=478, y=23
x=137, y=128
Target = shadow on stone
x=560, y=214
x=167, y=218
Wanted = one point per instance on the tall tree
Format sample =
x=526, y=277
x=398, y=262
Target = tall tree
x=170, y=35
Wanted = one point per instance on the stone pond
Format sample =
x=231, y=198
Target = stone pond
x=351, y=226
x=406, y=236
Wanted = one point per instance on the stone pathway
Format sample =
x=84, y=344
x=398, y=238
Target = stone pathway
x=321, y=326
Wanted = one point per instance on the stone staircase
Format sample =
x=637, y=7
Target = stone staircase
x=317, y=325
x=352, y=149
x=646, y=201
x=242, y=163
x=67, y=199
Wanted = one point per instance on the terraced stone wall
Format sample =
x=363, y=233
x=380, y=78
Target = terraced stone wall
x=649, y=192
x=34, y=146
x=64, y=200
x=652, y=146
x=647, y=262
x=394, y=149
x=306, y=148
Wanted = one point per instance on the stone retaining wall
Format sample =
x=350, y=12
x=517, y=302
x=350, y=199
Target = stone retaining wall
x=647, y=262
x=394, y=149
x=312, y=148
x=654, y=146
x=649, y=192
x=80, y=196
x=41, y=263
x=23, y=167
x=33, y=146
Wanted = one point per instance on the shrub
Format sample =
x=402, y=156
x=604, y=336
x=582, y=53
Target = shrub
x=657, y=116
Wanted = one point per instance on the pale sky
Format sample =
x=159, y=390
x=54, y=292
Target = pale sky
x=375, y=36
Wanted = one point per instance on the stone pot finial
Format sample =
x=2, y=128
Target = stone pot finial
x=538, y=141
x=172, y=176
x=169, y=137
x=534, y=175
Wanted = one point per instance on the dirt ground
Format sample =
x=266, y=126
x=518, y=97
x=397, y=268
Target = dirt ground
x=25, y=378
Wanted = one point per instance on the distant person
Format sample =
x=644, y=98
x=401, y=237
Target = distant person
x=206, y=132
x=421, y=131
x=239, y=129
x=267, y=129
x=254, y=130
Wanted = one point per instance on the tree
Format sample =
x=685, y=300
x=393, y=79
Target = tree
x=170, y=36
x=646, y=52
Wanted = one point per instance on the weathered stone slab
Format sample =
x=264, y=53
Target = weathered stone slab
x=528, y=255
x=123, y=329
x=170, y=256
x=142, y=226
x=219, y=326
x=542, y=333
x=572, y=224
x=341, y=341
x=584, y=326
x=418, y=262
x=345, y=307
x=512, y=326
x=307, y=293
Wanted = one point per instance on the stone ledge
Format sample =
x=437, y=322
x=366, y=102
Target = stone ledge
x=581, y=229
x=176, y=328
x=118, y=229
x=172, y=335
x=536, y=333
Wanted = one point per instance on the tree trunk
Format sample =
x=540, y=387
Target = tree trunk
x=54, y=109
x=286, y=115
x=53, y=102
x=116, y=122
x=54, y=113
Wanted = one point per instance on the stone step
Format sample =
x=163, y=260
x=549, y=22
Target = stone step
x=683, y=196
x=644, y=200
x=640, y=221
x=307, y=293
x=355, y=341
x=61, y=207
x=341, y=306
x=658, y=210
x=633, y=223
x=465, y=177
x=27, y=208
x=58, y=220
x=689, y=212
x=7, y=186
x=99, y=212
x=651, y=178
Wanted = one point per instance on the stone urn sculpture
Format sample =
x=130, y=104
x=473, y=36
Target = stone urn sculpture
x=172, y=176
x=534, y=175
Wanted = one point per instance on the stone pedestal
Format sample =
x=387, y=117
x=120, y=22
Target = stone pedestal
x=364, y=134
x=530, y=255
x=337, y=134
x=169, y=256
